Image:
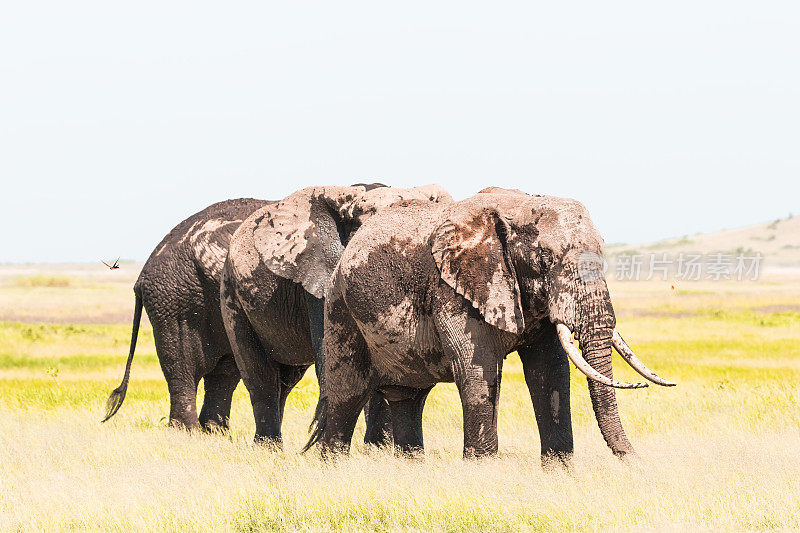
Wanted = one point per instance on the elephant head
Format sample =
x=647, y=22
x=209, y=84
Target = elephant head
x=302, y=237
x=521, y=259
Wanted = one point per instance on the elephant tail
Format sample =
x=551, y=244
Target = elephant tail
x=117, y=396
x=318, y=424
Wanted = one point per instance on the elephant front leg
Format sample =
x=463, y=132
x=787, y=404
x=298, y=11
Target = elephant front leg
x=219, y=386
x=407, y=421
x=479, y=387
x=476, y=372
x=262, y=377
x=269, y=390
x=376, y=417
x=476, y=353
x=546, y=370
x=290, y=376
x=266, y=404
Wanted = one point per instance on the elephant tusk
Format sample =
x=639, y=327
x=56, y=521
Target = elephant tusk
x=565, y=336
x=636, y=363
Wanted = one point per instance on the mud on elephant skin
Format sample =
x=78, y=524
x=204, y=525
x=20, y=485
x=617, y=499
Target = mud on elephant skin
x=428, y=293
x=179, y=288
x=273, y=287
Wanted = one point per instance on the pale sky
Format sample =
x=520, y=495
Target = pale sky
x=118, y=120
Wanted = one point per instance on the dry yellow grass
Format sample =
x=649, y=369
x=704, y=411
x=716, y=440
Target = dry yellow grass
x=65, y=471
x=720, y=451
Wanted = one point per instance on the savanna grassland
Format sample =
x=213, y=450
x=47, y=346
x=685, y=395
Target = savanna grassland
x=721, y=450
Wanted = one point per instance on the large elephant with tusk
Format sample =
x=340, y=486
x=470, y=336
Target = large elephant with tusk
x=428, y=293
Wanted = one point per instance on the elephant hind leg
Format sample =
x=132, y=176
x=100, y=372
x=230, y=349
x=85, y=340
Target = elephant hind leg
x=219, y=386
x=348, y=379
x=376, y=411
x=259, y=371
x=179, y=347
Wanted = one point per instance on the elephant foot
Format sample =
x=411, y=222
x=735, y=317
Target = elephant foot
x=471, y=452
x=378, y=439
x=270, y=442
x=185, y=425
x=333, y=450
x=215, y=426
x=416, y=452
x=556, y=460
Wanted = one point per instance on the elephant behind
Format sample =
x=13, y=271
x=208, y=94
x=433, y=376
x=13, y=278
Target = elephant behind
x=179, y=288
x=273, y=286
x=428, y=293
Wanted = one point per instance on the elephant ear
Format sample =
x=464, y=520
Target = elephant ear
x=470, y=250
x=302, y=237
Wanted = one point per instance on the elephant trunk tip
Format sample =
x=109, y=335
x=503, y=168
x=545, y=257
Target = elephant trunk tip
x=628, y=455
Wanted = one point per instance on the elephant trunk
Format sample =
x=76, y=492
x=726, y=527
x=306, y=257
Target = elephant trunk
x=584, y=306
x=595, y=341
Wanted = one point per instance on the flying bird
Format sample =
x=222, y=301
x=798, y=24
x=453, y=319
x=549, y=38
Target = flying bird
x=112, y=267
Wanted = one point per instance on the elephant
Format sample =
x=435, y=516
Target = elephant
x=273, y=286
x=179, y=288
x=427, y=293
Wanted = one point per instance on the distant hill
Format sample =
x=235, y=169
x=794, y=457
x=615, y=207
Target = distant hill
x=777, y=241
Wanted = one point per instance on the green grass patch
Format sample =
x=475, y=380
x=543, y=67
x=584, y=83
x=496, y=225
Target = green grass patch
x=50, y=393
x=787, y=319
x=29, y=341
x=58, y=333
x=74, y=362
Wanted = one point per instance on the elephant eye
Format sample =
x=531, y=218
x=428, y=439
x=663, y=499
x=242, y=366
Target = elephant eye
x=545, y=258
